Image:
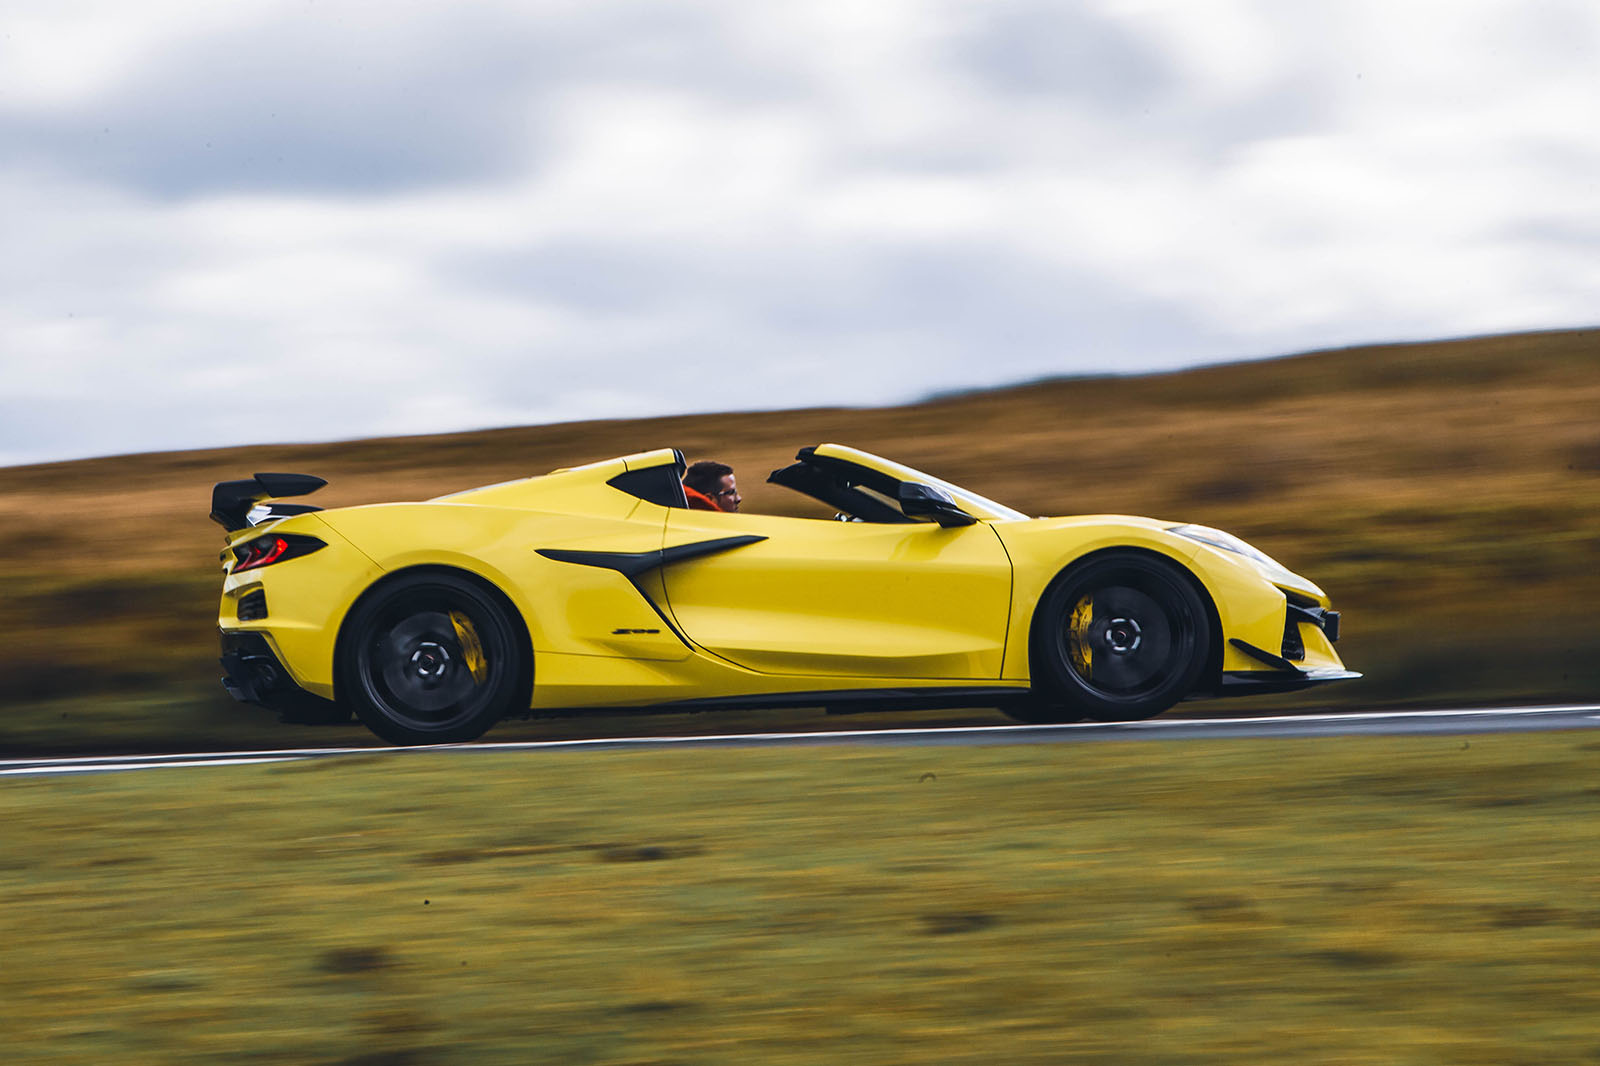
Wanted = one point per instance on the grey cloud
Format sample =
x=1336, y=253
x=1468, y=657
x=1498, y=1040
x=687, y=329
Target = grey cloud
x=1288, y=107
x=1056, y=50
x=955, y=313
x=979, y=311
x=1047, y=52
x=1554, y=233
x=1549, y=33
x=586, y=276
x=338, y=107
x=278, y=108
x=41, y=428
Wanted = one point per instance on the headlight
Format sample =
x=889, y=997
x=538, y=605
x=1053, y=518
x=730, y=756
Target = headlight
x=1228, y=543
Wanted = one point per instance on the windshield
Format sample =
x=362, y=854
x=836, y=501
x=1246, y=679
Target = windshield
x=873, y=467
x=971, y=502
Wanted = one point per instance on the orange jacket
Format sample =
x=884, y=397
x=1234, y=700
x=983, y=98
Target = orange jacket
x=699, y=501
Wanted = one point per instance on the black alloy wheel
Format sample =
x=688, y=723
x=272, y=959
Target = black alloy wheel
x=1120, y=638
x=431, y=659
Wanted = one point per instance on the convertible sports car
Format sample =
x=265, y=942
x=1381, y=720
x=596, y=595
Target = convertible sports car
x=597, y=586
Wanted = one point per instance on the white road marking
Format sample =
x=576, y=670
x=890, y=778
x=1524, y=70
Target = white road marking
x=113, y=763
x=98, y=766
x=972, y=730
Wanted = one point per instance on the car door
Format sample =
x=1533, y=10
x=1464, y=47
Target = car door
x=842, y=599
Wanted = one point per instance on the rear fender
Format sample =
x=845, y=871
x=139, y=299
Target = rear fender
x=496, y=592
x=305, y=599
x=567, y=609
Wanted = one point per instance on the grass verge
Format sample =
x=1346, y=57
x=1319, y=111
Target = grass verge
x=1352, y=901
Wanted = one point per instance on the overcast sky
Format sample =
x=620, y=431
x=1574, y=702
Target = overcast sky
x=263, y=220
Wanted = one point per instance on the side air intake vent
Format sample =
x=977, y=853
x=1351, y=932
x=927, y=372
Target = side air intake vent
x=253, y=606
x=1294, y=649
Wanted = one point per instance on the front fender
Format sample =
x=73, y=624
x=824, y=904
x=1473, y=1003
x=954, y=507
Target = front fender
x=1248, y=606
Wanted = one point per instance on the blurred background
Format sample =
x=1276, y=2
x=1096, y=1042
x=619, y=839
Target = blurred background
x=235, y=233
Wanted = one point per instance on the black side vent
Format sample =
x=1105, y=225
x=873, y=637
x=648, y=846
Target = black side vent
x=1321, y=617
x=253, y=606
x=658, y=485
x=1294, y=649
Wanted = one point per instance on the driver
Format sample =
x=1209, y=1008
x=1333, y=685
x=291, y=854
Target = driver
x=709, y=485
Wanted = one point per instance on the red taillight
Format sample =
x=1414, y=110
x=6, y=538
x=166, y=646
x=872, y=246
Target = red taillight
x=261, y=552
x=264, y=551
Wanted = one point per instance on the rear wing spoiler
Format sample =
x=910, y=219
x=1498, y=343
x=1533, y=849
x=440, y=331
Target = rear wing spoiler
x=231, y=501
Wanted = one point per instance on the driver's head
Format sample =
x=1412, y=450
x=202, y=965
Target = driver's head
x=714, y=480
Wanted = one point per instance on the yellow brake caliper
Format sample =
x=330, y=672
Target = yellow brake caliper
x=471, y=647
x=1078, y=637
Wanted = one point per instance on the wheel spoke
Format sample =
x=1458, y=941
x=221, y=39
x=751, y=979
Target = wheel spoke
x=423, y=666
x=415, y=628
x=434, y=659
x=1121, y=601
x=1129, y=637
x=1117, y=675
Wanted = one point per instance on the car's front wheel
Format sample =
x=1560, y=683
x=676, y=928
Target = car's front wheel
x=430, y=658
x=1122, y=637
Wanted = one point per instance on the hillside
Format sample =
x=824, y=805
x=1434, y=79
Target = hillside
x=1447, y=495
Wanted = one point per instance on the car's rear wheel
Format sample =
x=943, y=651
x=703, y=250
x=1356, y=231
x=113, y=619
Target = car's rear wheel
x=431, y=658
x=1119, y=638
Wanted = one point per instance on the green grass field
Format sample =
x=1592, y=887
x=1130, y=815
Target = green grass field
x=1349, y=902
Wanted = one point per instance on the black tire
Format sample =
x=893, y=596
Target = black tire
x=1122, y=637
x=1041, y=712
x=431, y=658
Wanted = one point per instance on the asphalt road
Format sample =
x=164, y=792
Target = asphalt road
x=1378, y=723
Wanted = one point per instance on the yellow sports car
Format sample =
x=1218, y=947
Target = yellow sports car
x=597, y=586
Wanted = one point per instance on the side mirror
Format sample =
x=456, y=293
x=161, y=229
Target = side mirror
x=926, y=501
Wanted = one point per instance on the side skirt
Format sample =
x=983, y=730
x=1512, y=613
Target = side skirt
x=841, y=701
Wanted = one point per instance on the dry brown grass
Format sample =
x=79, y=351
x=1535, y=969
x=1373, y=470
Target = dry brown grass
x=1447, y=495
